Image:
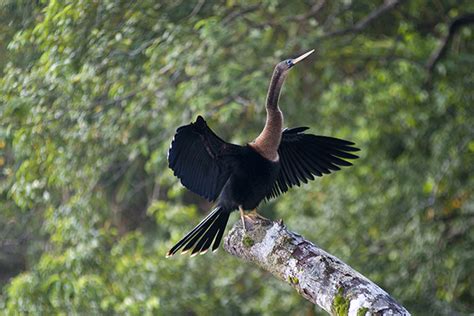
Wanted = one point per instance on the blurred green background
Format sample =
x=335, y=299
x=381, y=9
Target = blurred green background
x=92, y=92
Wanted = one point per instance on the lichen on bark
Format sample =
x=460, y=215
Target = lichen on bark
x=340, y=305
x=247, y=241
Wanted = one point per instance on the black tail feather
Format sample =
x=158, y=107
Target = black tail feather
x=201, y=237
x=205, y=240
x=207, y=220
x=221, y=224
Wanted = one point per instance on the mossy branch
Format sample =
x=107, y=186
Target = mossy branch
x=318, y=276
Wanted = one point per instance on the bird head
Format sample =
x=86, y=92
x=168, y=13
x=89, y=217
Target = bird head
x=289, y=63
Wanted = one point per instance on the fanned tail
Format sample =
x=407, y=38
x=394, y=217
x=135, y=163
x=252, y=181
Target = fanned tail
x=199, y=239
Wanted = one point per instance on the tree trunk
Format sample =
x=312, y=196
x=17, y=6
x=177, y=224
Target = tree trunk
x=318, y=276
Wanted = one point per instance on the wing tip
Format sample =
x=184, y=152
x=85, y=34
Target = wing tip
x=352, y=148
x=295, y=130
x=200, y=122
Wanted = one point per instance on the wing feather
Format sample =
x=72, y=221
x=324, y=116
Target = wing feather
x=197, y=157
x=303, y=156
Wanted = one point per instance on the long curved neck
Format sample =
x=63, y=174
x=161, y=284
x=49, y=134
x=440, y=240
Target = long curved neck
x=268, y=141
x=273, y=94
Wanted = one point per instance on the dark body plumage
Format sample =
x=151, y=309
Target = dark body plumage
x=242, y=176
x=250, y=181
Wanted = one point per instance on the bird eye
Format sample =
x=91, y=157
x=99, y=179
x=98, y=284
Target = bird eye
x=288, y=62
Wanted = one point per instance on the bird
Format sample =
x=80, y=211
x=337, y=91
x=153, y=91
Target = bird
x=240, y=177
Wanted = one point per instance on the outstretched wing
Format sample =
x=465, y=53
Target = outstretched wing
x=303, y=156
x=197, y=157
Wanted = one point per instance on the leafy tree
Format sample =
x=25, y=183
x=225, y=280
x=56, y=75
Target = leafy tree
x=92, y=92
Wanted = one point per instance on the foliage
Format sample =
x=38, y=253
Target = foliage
x=92, y=92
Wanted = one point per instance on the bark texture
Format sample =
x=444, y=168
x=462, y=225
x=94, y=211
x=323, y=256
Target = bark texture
x=318, y=276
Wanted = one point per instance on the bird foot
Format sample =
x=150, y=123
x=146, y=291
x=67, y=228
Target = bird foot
x=252, y=216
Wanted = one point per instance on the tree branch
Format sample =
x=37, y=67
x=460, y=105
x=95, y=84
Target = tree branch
x=440, y=51
x=234, y=14
x=360, y=25
x=318, y=276
x=315, y=8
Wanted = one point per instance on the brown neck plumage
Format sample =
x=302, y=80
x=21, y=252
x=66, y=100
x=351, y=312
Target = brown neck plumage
x=268, y=141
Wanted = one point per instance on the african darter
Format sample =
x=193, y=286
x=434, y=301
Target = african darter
x=240, y=177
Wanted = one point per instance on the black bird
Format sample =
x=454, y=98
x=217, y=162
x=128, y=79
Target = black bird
x=240, y=177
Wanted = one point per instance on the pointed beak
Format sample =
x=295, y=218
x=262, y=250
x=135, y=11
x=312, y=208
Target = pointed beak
x=300, y=58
